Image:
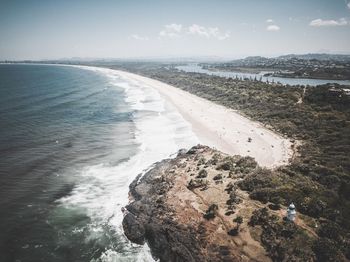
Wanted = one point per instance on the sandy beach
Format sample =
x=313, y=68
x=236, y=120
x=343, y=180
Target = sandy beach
x=222, y=128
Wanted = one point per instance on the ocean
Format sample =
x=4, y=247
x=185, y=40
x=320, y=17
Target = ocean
x=72, y=139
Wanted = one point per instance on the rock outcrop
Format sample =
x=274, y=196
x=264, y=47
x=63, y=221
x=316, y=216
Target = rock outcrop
x=189, y=209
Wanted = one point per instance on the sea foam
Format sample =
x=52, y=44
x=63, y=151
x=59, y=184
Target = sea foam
x=103, y=189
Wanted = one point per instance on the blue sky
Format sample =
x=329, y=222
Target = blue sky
x=153, y=28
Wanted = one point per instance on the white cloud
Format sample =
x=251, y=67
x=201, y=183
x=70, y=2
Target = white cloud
x=348, y=5
x=139, y=38
x=215, y=33
x=273, y=28
x=174, y=27
x=269, y=21
x=320, y=22
x=198, y=30
x=177, y=30
x=171, y=30
x=207, y=32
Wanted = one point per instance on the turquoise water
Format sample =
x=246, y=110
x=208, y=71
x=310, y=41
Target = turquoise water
x=71, y=141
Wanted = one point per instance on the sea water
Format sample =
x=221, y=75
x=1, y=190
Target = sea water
x=71, y=141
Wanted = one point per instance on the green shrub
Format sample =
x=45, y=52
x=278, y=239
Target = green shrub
x=202, y=174
x=238, y=220
x=211, y=212
x=326, y=250
x=217, y=177
x=234, y=231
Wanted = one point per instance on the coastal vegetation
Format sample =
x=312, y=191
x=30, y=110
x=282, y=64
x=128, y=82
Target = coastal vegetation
x=223, y=220
x=284, y=241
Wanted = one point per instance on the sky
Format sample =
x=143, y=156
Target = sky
x=50, y=29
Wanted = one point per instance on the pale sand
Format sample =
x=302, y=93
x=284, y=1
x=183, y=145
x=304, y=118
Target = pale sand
x=223, y=128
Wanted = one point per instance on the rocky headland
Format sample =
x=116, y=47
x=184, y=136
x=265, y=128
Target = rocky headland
x=194, y=208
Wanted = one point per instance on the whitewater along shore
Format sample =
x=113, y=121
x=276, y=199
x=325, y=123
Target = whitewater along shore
x=222, y=128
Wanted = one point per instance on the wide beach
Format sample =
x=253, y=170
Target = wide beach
x=222, y=128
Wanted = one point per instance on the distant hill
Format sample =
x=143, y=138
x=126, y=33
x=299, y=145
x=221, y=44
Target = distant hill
x=322, y=57
x=317, y=66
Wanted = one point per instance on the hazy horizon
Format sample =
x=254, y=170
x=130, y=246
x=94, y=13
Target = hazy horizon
x=37, y=30
x=165, y=58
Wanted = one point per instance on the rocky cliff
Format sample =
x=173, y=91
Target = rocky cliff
x=190, y=209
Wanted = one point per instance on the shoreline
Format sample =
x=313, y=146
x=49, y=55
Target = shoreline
x=217, y=126
x=222, y=128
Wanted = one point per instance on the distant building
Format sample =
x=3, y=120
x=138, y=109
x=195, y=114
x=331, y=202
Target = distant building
x=291, y=213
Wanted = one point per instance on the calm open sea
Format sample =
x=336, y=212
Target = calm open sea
x=71, y=141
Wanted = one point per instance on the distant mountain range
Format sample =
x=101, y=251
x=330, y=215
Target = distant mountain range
x=263, y=60
x=335, y=57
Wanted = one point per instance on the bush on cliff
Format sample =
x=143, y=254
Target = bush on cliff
x=211, y=212
x=326, y=250
x=284, y=241
x=197, y=183
x=202, y=174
